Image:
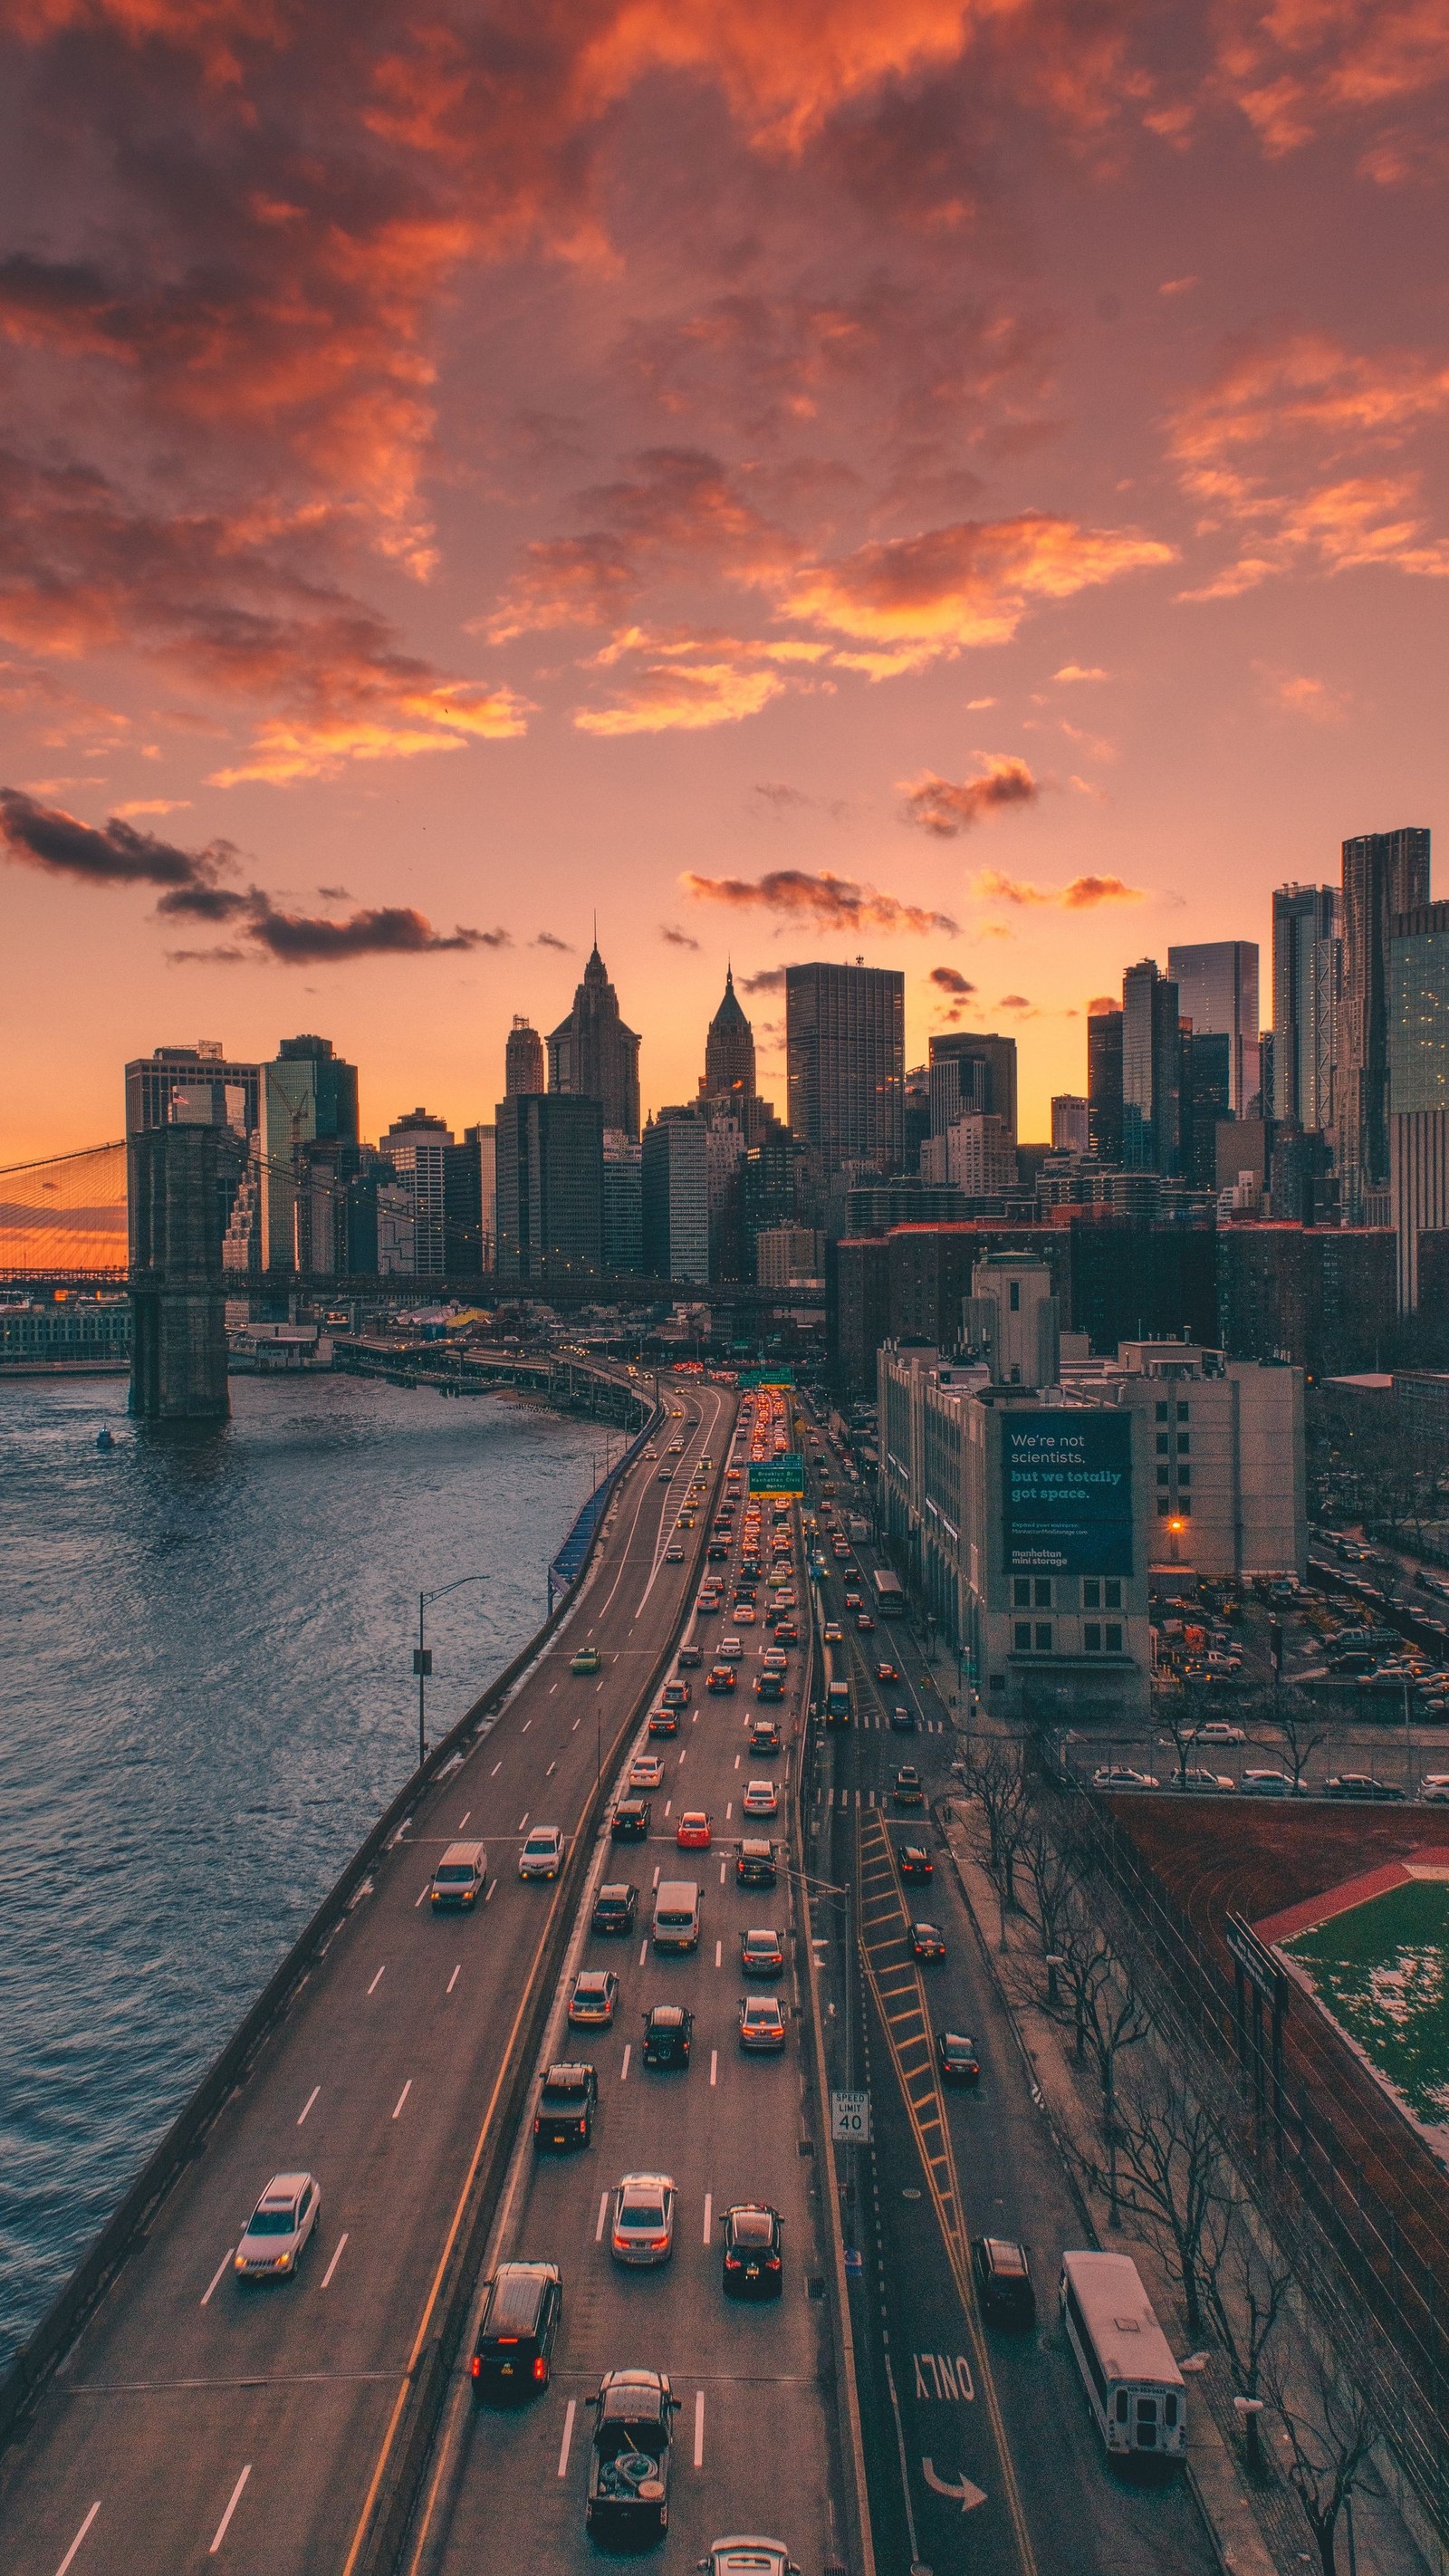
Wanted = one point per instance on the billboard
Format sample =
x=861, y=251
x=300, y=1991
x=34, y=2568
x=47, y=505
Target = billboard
x=1066, y=1498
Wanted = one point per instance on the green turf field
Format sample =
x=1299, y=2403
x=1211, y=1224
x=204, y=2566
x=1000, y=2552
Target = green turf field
x=1382, y=1970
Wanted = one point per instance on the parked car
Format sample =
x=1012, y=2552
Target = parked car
x=280, y=2228
x=542, y=1854
x=1218, y=1730
x=1003, y=2281
x=522, y=2308
x=615, y=1908
x=762, y=2022
x=629, y=2458
x=1268, y=1784
x=1434, y=1789
x=1199, y=1783
x=566, y=2106
x=1122, y=1776
x=668, y=2035
x=1360, y=1784
x=956, y=2058
x=753, y=2266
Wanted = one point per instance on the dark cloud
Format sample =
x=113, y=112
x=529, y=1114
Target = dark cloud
x=675, y=938
x=308, y=939
x=949, y=979
x=831, y=902
x=547, y=939
x=770, y=979
x=944, y=807
x=112, y=853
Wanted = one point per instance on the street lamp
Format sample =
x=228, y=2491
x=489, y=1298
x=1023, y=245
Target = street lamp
x=423, y=1654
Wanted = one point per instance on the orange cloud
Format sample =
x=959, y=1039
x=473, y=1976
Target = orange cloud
x=1297, y=694
x=967, y=584
x=831, y=902
x=944, y=807
x=673, y=697
x=1083, y=894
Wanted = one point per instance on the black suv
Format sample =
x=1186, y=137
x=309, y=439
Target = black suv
x=753, y=2266
x=1003, y=2281
x=615, y=1908
x=667, y=2033
x=630, y=1821
x=755, y=1863
x=518, y=2330
x=566, y=2107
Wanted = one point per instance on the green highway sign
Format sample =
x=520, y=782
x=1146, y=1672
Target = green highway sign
x=779, y=1475
x=767, y=1377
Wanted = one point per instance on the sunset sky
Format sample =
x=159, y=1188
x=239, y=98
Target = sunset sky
x=963, y=487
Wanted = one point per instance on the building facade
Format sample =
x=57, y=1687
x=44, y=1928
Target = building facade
x=1104, y=1085
x=550, y=1189
x=623, y=1205
x=845, y=1048
x=1071, y=1131
x=1151, y=1071
x=675, y=1183
x=522, y=1058
x=984, y=1079
x=1384, y=874
x=592, y=1055
x=1217, y=990
x=1307, y=967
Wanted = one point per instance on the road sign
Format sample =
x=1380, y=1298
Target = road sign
x=422, y=1661
x=779, y=1475
x=767, y=1377
x=850, y=2119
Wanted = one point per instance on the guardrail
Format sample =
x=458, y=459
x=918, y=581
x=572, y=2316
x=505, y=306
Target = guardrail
x=53, y=2336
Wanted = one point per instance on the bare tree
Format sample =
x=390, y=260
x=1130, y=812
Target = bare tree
x=1053, y=1866
x=995, y=1772
x=1178, y=1711
x=1246, y=2291
x=1331, y=2433
x=1109, y=2016
x=1171, y=2175
x=1294, y=1727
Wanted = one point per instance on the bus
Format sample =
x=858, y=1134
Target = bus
x=837, y=1687
x=890, y=1592
x=1134, y=2387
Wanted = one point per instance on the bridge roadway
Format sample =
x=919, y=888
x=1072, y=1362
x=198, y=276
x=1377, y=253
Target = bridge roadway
x=195, y=2423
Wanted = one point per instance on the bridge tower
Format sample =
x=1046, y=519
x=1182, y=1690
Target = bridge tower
x=180, y=1183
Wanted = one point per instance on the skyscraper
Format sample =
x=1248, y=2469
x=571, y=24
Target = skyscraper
x=1104, y=1084
x=1217, y=989
x=550, y=1188
x=845, y=1049
x=623, y=1205
x=729, y=1051
x=309, y=1096
x=1071, y=1133
x=592, y=1055
x=987, y=1079
x=522, y=1058
x=417, y=1147
x=676, y=1195
x=1418, y=1043
x=1307, y=959
x=1151, y=1071
x=1384, y=874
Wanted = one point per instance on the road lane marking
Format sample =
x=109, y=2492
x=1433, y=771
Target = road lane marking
x=722, y=1873
x=336, y=2259
x=656, y=1875
x=713, y=2064
x=221, y=2528
x=422, y=1892
x=624, y=2069
x=462, y=1820
x=497, y=1767
x=737, y=1761
x=729, y=1809
x=699, y=2428
x=578, y=1722
x=708, y=2216
x=457, y=1972
x=527, y=1723
x=402, y=2097
x=553, y=1686
x=668, y=1803
x=216, y=2275
x=80, y=2535
x=684, y=1750
x=492, y=1891
x=307, y=2105
x=377, y=1980
x=568, y=2435
x=548, y=1775
x=718, y=1954
x=643, y=1950
x=603, y=2215
x=522, y=1821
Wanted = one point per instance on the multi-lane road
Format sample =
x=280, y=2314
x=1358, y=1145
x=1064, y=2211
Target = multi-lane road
x=195, y=2422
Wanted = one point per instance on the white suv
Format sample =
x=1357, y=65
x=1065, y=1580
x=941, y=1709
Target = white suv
x=279, y=2228
x=542, y=1854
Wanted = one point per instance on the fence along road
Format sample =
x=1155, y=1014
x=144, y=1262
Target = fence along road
x=196, y=2423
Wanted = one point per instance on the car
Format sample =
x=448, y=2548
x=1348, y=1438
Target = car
x=928, y=1941
x=1195, y=1782
x=730, y=1651
x=280, y=2228
x=676, y=1695
x=769, y=1686
x=1218, y=1730
x=908, y=1790
x=615, y=1908
x=1360, y=1784
x=646, y=1771
x=762, y=2022
x=1267, y=1784
x=630, y=1820
x=722, y=1678
x=956, y=2058
x=761, y=1798
x=764, y=1735
x=665, y=1476
x=689, y=1658
x=903, y=1719
x=1003, y=2281
x=708, y=1606
x=664, y=1721
x=594, y=2000
x=566, y=2106
x=587, y=1660
x=762, y=1953
x=542, y=1854
x=692, y=1833
x=629, y=2457
x=755, y=1863
x=786, y=1632
x=513, y=2354
x=744, y=1613
x=753, y=2266
x=674, y=1553
x=1434, y=1789
x=774, y=1660
x=853, y=1601
x=460, y=1877
x=916, y=1861
x=668, y=2035
x=1119, y=1775
x=886, y=1673
x=833, y=1633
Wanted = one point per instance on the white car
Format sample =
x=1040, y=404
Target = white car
x=1199, y=1783
x=1434, y=1789
x=646, y=1771
x=643, y=2229
x=542, y=1854
x=729, y=1651
x=761, y=1798
x=279, y=2228
x=1123, y=1778
x=747, y=2555
x=1218, y=1730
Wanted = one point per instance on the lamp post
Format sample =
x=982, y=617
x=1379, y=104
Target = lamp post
x=423, y=1654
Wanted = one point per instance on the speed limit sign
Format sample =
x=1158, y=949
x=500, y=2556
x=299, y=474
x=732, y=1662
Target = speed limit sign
x=850, y=2119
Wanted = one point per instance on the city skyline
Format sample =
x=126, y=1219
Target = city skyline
x=910, y=486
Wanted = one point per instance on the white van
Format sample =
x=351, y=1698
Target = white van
x=676, y=1915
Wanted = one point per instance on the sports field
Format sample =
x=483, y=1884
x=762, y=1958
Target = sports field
x=1382, y=1970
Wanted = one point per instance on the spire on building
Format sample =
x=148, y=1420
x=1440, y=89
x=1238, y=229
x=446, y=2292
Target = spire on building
x=593, y=1054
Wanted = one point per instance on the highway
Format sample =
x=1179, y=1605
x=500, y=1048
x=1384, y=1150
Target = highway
x=196, y=2423
x=751, y=2449
x=962, y=2419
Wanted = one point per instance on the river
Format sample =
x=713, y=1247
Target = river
x=206, y=1698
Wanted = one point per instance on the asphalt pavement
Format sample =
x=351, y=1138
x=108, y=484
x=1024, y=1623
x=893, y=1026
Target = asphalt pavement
x=198, y=2423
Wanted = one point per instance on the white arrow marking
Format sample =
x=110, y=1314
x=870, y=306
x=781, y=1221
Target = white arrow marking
x=965, y=2494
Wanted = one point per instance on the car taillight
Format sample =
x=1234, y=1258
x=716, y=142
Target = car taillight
x=732, y=2262
x=477, y=2367
x=540, y=2368
x=772, y=2262
x=537, y=2127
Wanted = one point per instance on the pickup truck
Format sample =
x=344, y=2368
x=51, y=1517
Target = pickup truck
x=628, y=2496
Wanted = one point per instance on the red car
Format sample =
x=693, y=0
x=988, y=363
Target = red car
x=693, y=1833
x=864, y=1622
x=722, y=1678
x=886, y=1673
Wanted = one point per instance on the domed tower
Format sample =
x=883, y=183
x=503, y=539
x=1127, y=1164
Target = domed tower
x=729, y=1051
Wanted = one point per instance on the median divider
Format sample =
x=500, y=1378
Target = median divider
x=52, y=2338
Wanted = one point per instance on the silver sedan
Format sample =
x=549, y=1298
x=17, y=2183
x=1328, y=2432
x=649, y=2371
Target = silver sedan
x=643, y=2229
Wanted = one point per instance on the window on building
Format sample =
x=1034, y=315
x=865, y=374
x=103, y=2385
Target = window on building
x=1015, y=1298
x=1021, y=1592
x=1091, y=1593
x=1114, y=1638
x=1163, y=1507
x=1021, y=1638
x=1042, y=1596
x=1092, y=1637
x=1162, y=1413
x=1043, y=1636
x=1184, y=1413
x=1184, y=1443
x=1162, y=1475
x=1184, y=1474
x=1112, y=1597
x=1163, y=1444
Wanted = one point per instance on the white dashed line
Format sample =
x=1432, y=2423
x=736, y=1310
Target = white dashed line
x=457, y=1972
x=221, y=2528
x=307, y=2105
x=497, y=1767
x=624, y=2069
x=713, y=2064
x=402, y=2097
x=708, y=2215
x=699, y=2428
x=719, y=1954
x=80, y=2535
x=568, y=2435
x=216, y=2275
x=377, y=1980
x=643, y=1950
x=336, y=2259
